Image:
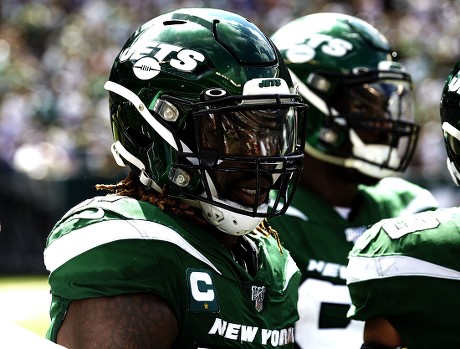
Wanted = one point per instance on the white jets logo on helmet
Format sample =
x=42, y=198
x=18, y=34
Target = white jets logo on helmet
x=146, y=68
x=148, y=56
x=304, y=52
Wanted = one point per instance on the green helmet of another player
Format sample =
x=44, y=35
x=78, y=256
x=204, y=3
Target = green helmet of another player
x=361, y=100
x=450, y=121
x=198, y=93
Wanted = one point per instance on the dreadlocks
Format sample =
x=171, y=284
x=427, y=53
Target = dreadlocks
x=265, y=229
x=132, y=187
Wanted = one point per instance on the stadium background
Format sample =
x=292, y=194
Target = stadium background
x=54, y=128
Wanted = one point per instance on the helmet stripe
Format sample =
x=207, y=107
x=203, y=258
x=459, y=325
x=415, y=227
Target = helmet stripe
x=140, y=106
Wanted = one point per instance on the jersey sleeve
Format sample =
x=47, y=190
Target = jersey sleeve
x=97, y=251
x=395, y=265
x=402, y=197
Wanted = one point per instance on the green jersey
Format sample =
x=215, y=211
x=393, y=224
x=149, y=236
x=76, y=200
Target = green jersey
x=407, y=270
x=320, y=239
x=116, y=245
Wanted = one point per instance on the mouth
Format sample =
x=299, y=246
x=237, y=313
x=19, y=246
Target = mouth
x=247, y=189
x=245, y=192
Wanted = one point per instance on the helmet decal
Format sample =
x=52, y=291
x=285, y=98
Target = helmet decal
x=147, y=64
x=146, y=68
x=304, y=52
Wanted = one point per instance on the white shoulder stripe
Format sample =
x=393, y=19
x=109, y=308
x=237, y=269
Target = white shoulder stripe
x=98, y=234
x=295, y=212
x=365, y=268
x=291, y=269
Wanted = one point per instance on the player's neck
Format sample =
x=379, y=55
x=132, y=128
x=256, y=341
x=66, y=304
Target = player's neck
x=226, y=240
x=324, y=180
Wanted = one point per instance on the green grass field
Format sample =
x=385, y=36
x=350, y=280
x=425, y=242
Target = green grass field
x=25, y=300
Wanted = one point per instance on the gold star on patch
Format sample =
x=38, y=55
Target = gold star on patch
x=206, y=306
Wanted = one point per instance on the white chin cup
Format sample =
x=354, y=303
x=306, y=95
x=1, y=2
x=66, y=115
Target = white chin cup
x=453, y=172
x=231, y=222
x=375, y=153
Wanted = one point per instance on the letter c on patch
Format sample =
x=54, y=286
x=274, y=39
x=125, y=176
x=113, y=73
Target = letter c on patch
x=201, y=286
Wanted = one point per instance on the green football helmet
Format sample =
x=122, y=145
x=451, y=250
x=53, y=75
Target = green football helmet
x=361, y=100
x=197, y=95
x=450, y=121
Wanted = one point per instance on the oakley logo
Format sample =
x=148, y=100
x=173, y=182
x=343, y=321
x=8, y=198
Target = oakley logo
x=270, y=83
x=150, y=55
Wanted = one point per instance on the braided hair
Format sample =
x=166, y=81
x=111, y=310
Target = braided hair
x=132, y=187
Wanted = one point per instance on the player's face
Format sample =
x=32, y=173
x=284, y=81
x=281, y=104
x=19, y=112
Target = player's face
x=372, y=109
x=239, y=138
x=370, y=106
x=248, y=133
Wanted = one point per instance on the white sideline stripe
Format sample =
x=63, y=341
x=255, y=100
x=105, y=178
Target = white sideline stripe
x=365, y=268
x=98, y=234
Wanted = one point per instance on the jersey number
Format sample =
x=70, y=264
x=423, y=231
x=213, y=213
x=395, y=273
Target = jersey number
x=396, y=228
x=323, y=322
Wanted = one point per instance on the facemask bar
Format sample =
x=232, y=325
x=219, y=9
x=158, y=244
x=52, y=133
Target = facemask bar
x=378, y=103
x=379, y=118
x=280, y=168
x=284, y=169
x=287, y=173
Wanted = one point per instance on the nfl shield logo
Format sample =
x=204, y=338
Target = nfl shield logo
x=257, y=295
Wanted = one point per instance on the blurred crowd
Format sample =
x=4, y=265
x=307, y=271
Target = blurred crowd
x=56, y=55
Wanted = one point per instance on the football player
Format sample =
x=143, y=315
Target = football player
x=204, y=112
x=360, y=137
x=404, y=273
